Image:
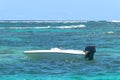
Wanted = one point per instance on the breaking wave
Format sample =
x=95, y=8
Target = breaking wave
x=73, y=26
x=47, y=27
x=115, y=21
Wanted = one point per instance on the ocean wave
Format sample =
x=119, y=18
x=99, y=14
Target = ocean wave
x=47, y=27
x=42, y=21
x=2, y=28
x=110, y=32
x=116, y=21
x=1, y=21
x=24, y=27
x=20, y=21
x=28, y=27
x=72, y=26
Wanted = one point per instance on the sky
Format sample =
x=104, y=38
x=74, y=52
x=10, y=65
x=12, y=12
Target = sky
x=59, y=9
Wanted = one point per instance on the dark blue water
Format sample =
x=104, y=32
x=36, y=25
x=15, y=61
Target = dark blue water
x=18, y=36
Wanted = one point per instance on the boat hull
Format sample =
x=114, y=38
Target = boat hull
x=55, y=55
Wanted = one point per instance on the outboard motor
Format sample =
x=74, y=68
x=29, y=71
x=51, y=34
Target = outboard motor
x=89, y=52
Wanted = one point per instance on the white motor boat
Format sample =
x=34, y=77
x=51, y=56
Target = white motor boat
x=55, y=54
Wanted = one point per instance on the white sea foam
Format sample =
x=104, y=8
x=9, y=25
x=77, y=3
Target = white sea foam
x=115, y=21
x=47, y=27
x=110, y=32
x=24, y=27
x=56, y=49
x=18, y=27
x=72, y=26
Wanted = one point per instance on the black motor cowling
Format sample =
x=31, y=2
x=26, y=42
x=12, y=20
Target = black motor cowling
x=89, y=52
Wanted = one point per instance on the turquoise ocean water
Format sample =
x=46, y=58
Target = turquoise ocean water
x=18, y=36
